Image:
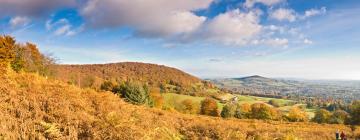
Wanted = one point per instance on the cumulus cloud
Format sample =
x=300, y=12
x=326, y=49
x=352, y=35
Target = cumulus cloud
x=19, y=21
x=283, y=14
x=32, y=8
x=148, y=18
x=251, y=3
x=234, y=27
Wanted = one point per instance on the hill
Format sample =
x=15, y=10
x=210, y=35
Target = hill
x=33, y=107
x=344, y=90
x=151, y=74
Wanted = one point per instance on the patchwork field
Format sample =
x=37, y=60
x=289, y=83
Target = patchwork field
x=171, y=99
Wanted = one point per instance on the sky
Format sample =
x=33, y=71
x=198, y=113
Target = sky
x=307, y=39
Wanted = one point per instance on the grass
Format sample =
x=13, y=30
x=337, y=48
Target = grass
x=170, y=98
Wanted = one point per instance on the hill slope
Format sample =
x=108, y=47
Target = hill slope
x=151, y=74
x=34, y=107
x=347, y=90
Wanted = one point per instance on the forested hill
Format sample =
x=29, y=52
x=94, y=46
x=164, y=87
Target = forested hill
x=151, y=74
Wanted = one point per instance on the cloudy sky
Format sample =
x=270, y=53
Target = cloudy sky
x=310, y=39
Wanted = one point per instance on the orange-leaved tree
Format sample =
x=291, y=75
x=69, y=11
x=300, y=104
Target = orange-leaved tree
x=209, y=107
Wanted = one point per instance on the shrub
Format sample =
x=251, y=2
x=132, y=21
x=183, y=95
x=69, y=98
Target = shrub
x=243, y=111
x=228, y=111
x=339, y=117
x=134, y=93
x=209, y=107
x=322, y=116
x=263, y=111
x=297, y=115
x=355, y=112
x=107, y=86
x=274, y=103
x=157, y=99
x=189, y=107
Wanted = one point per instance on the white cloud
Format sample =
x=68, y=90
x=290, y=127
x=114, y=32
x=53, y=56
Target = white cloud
x=314, y=12
x=63, y=30
x=148, y=18
x=234, y=28
x=19, y=21
x=283, y=42
x=282, y=14
x=62, y=27
x=272, y=42
x=251, y=3
x=308, y=42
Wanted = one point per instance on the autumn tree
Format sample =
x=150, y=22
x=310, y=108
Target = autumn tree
x=297, y=115
x=322, y=116
x=263, y=111
x=339, y=117
x=189, y=107
x=7, y=53
x=243, y=111
x=209, y=107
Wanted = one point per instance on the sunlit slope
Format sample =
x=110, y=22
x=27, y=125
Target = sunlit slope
x=34, y=107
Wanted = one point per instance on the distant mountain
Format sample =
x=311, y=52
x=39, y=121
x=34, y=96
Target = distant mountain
x=261, y=85
x=151, y=74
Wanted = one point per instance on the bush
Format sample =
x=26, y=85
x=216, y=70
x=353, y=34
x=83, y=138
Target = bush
x=297, y=115
x=157, y=98
x=228, y=111
x=322, y=116
x=243, y=111
x=355, y=112
x=275, y=103
x=263, y=111
x=339, y=117
x=107, y=86
x=189, y=107
x=209, y=107
x=134, y=93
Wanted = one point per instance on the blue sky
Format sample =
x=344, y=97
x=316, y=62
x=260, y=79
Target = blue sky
x=310, y=39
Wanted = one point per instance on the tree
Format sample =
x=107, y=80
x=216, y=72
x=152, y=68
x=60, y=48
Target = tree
x=339, y=117
x=189, y=107
x=355, y=112
x=263, y=111
x=297, y=115
x=322, y=116
x=134, y=93
x=228, y=111
x=7, y=53
x=243, y=111
x=209, y=107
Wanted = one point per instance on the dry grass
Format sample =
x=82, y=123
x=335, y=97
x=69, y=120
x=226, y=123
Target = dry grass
x=32, y=107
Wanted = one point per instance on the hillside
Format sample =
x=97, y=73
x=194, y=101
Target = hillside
x=346, y=90
x=152, y=74
x=33, y=107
